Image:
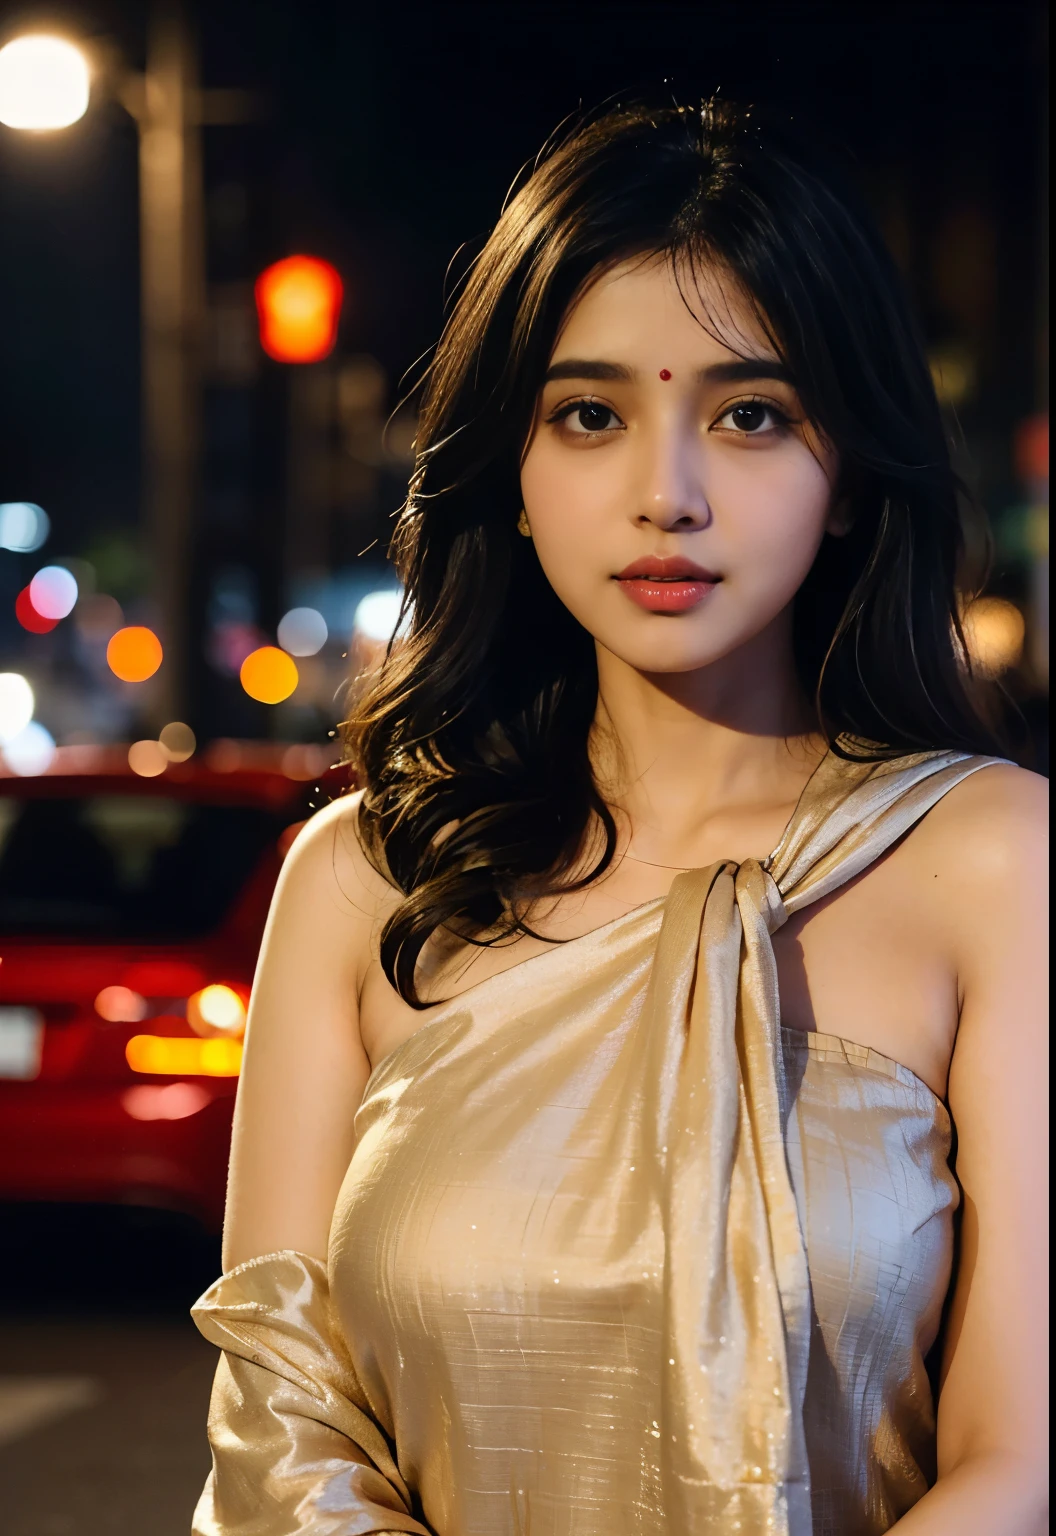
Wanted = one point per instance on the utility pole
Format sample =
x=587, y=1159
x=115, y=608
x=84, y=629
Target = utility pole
x=166, y=107
x=170, y=110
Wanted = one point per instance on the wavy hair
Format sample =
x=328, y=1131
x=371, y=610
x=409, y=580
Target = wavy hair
x=472, y=743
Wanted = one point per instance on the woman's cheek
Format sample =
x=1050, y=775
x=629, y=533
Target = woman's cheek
x=771, y=526
x=575, y=518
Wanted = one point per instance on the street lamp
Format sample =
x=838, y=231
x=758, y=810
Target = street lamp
x=45, y=83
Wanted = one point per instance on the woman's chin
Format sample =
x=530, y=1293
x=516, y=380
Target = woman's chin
x=669, y=656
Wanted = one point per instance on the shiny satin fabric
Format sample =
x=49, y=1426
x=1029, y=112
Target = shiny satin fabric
x=614, y=1252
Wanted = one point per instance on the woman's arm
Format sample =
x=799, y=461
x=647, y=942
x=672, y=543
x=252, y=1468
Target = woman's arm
x=304, y=1067
x=992, y=1416
x=297, y=1445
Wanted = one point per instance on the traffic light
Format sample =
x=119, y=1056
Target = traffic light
x=298, y=308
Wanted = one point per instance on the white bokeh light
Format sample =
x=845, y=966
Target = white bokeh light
x=44, y=83
x=16, y=705
x=53, y=592
x=378, y=615
x=302, y=631
x=24, y=526
x=31, y=751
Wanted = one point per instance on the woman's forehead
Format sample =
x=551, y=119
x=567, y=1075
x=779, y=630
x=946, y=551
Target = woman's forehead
x=695, y=308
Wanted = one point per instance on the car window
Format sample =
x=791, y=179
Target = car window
x=126, y=866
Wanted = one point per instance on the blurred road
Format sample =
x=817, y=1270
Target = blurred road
x=104, y=1381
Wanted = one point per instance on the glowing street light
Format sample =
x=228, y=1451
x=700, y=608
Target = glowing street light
x=44, y=83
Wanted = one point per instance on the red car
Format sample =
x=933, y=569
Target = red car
x=131, y=913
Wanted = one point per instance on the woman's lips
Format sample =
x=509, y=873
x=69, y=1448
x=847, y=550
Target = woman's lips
x=666, y=585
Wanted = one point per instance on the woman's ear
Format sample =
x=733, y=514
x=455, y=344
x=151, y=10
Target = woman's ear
x=838, y=523
x=841, y=514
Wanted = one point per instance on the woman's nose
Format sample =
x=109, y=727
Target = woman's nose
x=673, y=494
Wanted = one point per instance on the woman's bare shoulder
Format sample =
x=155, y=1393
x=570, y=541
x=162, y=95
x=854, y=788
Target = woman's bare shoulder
x=329, y=868
x=992, y=825
x=979, y=873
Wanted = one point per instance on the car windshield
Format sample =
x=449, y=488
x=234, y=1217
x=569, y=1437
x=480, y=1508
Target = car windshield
x=125, y=866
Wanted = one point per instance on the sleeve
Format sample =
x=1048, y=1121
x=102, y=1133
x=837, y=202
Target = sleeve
x=296, y=1449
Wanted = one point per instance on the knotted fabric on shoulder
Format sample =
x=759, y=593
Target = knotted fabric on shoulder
x=295, y=1446
x=736, y=1306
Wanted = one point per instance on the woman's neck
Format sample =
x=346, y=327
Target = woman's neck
x=680, y=756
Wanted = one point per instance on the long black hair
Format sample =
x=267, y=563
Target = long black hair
x=472, y=744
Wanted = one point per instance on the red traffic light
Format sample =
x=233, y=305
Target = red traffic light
x=298, y=307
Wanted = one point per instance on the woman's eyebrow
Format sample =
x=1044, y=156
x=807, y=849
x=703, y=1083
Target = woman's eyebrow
x=743, y=370
x=737, y=371
x=587, y=368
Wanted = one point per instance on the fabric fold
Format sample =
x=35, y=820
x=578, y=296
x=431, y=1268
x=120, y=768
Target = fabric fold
x=736, y=1288
x=295, y=1446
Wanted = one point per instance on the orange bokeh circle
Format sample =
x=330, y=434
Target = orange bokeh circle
x=299, y=306
x=269, y=675
x=134, y=653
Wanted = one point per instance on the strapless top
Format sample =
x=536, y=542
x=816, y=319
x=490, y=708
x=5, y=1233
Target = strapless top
x=615, y=1252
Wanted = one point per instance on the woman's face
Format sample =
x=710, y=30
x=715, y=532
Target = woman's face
x=676, y=496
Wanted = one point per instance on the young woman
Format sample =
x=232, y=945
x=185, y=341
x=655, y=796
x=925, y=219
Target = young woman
x=592, y=1169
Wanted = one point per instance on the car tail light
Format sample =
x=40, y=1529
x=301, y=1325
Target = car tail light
x=174, y=1101
x=120, y=1005
x=176, y=1056
x=217, y=1010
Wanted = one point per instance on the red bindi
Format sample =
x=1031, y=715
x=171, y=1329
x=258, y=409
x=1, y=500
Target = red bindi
x=665, y=373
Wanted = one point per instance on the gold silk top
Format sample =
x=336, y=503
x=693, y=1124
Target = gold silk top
x=615, y=1252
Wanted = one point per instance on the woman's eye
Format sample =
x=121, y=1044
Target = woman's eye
x=753, y=417
x=589, y=416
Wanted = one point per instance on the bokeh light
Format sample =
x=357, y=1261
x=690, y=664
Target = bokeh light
x=24, y=526
x=302, y=631
x=168, y=1101
x=147, y=758
x=268, y=675
x=177, y=741
x=378, y=615
x=32, y=751
x=994, y=631
x=225, y=756
x=302, y=761
x=120, y=1005
x=53, y=592
x=28, y=616
x=217, y=1010
x=16, y=705
x=97, y=617
x=44, y=83
x=229, y=644
x=134, y=653
x=298, y=306
x=184, y=1056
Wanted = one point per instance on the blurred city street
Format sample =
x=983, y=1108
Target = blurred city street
x=104, y=1381
x=118, y=1445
